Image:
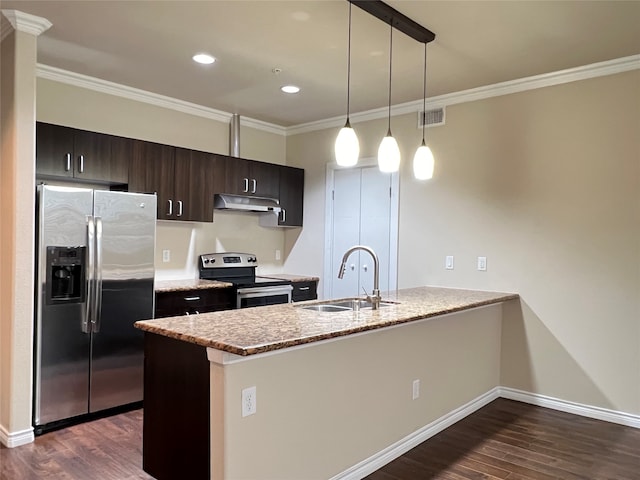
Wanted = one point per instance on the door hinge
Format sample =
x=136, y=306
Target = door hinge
x=390, y=192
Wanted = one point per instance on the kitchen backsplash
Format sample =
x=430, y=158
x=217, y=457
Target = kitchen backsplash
x=230, y=232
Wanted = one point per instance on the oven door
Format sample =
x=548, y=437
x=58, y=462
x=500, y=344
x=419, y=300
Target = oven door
x=260, y=296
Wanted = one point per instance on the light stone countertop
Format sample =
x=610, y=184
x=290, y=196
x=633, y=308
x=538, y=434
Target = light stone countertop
x=188, y=284
x=292, y=277
x=256, y=330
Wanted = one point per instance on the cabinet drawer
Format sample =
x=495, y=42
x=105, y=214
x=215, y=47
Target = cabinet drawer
x=304, y=291
x=184, y=302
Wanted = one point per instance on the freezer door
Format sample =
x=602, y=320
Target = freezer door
x=61, y=362
x=125, y=238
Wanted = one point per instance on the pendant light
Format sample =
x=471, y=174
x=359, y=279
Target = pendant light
x=423, y=159
x=347, y=148
x=388, y=151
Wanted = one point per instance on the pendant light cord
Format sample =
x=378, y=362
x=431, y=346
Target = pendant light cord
x=390, y=65
x=349, y=65
x=424, y=94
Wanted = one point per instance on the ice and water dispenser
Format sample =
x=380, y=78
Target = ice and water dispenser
x=65, y=274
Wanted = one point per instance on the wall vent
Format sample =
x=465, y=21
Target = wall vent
x=431, y=118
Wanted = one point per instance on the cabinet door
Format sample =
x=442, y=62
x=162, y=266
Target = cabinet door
x=151, y=171
x=291, y=196
x=92, y=152
x=195, y=184
x=121, y=155
x=264, y=179
x=236, y=176
x=54, y=150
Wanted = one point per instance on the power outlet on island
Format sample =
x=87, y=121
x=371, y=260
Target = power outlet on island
x=415, y=387
x=248, y=401
x=448, y=262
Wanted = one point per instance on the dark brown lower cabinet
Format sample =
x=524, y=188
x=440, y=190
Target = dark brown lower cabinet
x=175, y=435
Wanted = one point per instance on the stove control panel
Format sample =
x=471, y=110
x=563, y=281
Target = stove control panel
x=228, y=260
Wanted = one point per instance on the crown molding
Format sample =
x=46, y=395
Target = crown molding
x=131, y=93
x=25, y=22
x=600, y=69
x=593, y=70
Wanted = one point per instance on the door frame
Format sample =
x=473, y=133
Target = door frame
x=393, y=223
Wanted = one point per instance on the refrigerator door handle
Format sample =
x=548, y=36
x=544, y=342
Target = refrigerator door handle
x=97, y=316
x=89, y=272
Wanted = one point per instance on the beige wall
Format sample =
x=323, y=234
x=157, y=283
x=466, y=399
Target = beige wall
x=17, y=187
x=68, y=105
x=546, y=185
x=324, y=408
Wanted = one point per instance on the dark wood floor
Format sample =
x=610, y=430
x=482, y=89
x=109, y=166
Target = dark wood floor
x=503, y=440
x=105, y=449
x=515, y=441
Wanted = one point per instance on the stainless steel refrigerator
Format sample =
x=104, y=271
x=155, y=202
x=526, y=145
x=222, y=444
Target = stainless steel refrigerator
x=94, y=269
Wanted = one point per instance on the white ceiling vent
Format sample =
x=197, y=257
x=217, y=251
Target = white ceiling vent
x=431, y=118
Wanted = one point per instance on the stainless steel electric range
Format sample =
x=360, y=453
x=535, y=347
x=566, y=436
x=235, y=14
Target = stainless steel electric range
x=240, y=270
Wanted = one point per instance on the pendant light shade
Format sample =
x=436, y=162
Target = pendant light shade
x=347, y=147
x=388, y=152
x=423, y=161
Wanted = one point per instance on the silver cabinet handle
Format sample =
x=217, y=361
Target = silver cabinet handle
x=191, y=299
x=284, y=215
x=179, y=214
x=170, y=212
x=365, y=268
x=352, y=266
x=81, y=162
x=304, y=288
x=67, y=167
x=246, y=185
x=254, y=185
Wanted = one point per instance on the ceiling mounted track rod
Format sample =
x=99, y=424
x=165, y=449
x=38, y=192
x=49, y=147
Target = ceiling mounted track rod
x=391, y=16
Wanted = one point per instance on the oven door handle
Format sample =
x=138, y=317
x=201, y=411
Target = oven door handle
x=251, y=292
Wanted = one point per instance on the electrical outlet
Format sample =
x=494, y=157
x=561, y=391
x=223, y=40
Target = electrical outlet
x=166, y=256
x=416, y=389
x=278, y=255
x=482, y=263
x=249, y=401
x=448, y=262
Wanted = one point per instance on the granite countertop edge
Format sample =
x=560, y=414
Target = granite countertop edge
x=263, y=329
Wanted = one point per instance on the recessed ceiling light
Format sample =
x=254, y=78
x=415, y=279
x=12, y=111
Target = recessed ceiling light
x=290, y=89
x=203, y=58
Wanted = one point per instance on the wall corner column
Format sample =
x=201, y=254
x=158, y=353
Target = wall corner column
x=18, y=37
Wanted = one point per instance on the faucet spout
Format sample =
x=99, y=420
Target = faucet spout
x=374, y=298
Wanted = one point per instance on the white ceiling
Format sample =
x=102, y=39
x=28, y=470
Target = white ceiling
x=149, y=44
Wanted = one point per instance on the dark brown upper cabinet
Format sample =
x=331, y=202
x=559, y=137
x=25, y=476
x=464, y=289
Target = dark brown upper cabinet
x=151, y=171
x=183, y=180
x=249, y=177
x=84, y=156
x=197, y=177
x=291, y=196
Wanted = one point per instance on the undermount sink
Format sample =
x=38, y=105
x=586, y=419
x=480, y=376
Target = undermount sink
x=343, y=305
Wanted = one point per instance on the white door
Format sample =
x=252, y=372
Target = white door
x=362, y=211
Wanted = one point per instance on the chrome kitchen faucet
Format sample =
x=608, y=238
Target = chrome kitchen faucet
x=374, y=298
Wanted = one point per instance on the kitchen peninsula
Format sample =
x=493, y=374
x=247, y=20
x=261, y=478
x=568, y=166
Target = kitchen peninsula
x=318, y=376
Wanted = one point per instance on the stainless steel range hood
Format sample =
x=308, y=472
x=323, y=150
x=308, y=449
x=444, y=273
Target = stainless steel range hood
x=225, y=201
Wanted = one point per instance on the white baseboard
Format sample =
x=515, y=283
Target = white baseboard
x=589, y=411
x=380, y=459
x=15, y=439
